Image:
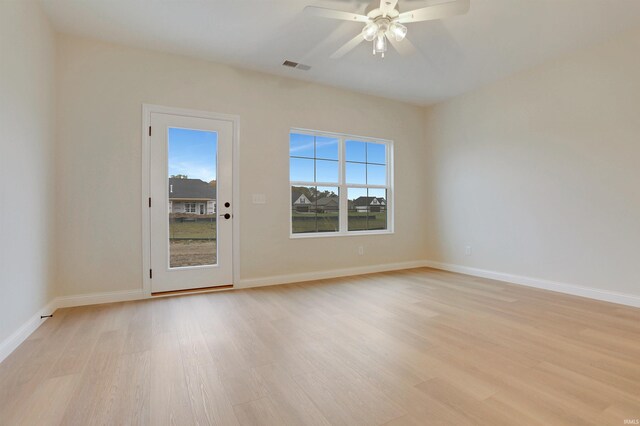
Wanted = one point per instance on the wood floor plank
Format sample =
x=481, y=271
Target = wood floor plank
x=626, y=411
x=47, y=405
x=474, y=410
x=243, y=385
x=348, y=399
x=92, y=397
x=170, y=402
x=260, y=412
x=406, y=420
x=132, y=390
x=410, y=347
x=210, y=403
x=292, y=403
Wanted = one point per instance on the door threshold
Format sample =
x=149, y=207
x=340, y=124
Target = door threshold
x=192, y=290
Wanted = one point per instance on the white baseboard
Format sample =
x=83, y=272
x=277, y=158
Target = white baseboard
x=97, y=298
x=323, y=275
x=588, y=292
x=21, y=334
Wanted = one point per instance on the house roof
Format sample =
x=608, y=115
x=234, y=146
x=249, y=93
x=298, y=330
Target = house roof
x=190, y=188
x=366, y=201
x=327, y=200
x=295, y=195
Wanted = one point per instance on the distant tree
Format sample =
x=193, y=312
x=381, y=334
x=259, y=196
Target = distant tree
x=307, y=191
x=179, y=177
x=312, y=193
x=325, y=194
x=213, y=183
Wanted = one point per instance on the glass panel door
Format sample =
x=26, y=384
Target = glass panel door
x=192, y=165
x=191, y=211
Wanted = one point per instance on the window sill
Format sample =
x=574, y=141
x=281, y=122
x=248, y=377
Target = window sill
x=337, y=234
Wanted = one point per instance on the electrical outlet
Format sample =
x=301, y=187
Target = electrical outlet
x=467, y=250
x=361, y=250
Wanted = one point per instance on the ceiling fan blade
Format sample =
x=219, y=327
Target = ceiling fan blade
x=404, y=47
x=335, y=14
x=387, y=6
x=347, y=47
x=436, y=11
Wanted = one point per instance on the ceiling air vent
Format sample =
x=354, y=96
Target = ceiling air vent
x=296, y=65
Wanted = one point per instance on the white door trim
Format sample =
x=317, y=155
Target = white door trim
x=147, y=110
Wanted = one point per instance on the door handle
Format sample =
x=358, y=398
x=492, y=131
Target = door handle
x=226, y=216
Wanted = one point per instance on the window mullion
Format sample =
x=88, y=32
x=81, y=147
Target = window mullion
x=356, y=185
x=344, y=203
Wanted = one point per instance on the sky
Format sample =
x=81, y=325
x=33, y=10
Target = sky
x=193, y=153
x=315, y=159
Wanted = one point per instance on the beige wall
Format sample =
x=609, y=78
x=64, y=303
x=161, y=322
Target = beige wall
x=101, y=89
x=540, y=173
x=26, y=148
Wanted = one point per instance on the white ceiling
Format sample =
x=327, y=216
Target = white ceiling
x=495, y=39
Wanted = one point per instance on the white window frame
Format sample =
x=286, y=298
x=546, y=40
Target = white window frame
x=343, y=187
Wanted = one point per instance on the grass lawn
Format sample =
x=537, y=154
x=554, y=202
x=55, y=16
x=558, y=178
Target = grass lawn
x=192, y=243
x=367, y=221
x=329, y=222
x=302, y=222
x=192, y=230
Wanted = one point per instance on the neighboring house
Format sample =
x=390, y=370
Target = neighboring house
x=191, y=196
x=300, y=202
x=327, y=204
x=369, y=204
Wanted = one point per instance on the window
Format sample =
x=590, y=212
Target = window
x=340, y=185
x=366, y=178
x=189, y=207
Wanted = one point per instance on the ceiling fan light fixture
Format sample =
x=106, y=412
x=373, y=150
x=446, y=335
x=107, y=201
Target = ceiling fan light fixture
x=380, y=45
x=399, y=31
x=385, y=23
x=370, y=31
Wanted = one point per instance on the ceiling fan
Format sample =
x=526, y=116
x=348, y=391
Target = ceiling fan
x=384, y=22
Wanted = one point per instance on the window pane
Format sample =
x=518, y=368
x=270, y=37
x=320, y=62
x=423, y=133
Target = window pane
x=328, y=209
x=301, y=145
x=326, y=171
x=192, y=164
x=376, y=175
x=301, y=170
x=326, y=148
x=356, y=173
x=377, y=217
x=303, y=215
x=357, y=217
x=376, y=153
x=356, y=151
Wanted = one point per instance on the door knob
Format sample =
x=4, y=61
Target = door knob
x=226, y=216
x=227, y=204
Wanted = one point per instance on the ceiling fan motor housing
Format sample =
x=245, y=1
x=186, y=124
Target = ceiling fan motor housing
x=373, y=11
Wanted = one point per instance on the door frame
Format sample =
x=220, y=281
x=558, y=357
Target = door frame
x=147, y=110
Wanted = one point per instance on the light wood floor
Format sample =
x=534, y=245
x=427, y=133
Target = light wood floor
x=418, y=347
